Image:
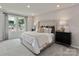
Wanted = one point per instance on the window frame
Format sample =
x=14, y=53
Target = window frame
x=16, y=22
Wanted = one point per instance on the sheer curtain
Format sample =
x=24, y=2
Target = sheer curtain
x=2, y=27
x=30, y=23
x=26, y=24
x=5, y=27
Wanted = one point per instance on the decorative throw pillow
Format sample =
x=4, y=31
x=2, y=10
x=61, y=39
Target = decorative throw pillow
x=47, y=30
x=40, y=30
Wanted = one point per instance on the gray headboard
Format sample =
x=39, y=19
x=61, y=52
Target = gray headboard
x=47, y=24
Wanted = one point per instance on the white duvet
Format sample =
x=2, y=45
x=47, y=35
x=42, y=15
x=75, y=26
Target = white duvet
x=36, y=41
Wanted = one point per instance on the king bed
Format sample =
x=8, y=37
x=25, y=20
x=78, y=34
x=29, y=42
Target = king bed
x=36, y=41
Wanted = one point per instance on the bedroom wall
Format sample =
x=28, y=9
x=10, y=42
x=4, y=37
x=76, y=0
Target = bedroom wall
x=47, y=22
x=71, y=16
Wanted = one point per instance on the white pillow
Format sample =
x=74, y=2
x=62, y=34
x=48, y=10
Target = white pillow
x=47, y=30
x=50, y=30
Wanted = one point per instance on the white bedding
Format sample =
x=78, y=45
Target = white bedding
x=36, y=41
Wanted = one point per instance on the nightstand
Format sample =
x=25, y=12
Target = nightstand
x=63, y=38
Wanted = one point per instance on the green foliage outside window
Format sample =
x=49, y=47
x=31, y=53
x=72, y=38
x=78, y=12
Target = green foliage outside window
x=20, y=23
x=11, y=24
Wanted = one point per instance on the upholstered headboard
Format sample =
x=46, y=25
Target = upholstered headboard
x=46, y=24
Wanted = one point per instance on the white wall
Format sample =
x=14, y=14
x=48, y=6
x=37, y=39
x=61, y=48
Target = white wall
x=71, y=15
x=47, y=22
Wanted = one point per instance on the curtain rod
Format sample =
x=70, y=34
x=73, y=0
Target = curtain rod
x=9, y=13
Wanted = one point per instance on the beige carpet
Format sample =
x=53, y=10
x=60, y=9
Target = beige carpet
x=15, y=48
x=60, y=50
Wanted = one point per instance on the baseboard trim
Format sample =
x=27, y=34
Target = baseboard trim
x=74, y=46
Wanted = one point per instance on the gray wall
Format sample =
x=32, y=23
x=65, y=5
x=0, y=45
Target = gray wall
x=72, y=16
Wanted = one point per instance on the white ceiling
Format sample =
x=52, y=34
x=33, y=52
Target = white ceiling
x=35, y=9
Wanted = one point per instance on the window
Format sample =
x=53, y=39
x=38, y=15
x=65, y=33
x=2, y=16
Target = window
x=21, y=24
x=16, y=23
x=11, y=22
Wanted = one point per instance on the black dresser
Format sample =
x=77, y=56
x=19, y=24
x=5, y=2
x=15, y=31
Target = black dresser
x=63, y=38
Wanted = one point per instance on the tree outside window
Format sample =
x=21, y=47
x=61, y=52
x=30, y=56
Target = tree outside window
x=16, y=22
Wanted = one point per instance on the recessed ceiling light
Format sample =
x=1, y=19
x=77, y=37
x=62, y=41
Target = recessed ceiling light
x=58, y=5
x=0, y=6
x=28, y=6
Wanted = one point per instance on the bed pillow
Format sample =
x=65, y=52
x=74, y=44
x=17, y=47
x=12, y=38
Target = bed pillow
x=47, y=30
x=41, y=30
